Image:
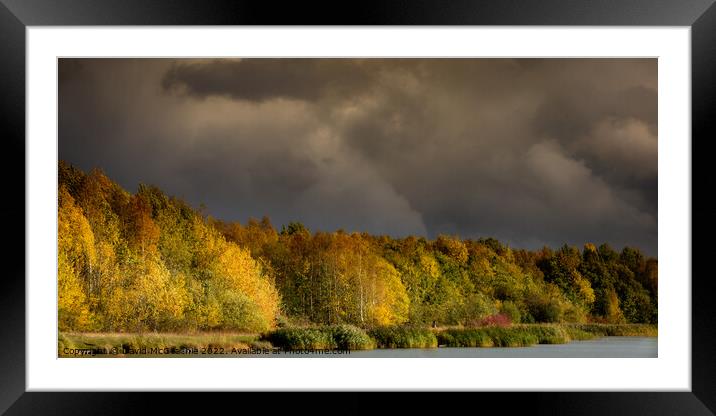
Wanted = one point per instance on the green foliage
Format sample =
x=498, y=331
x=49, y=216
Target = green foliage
x=350, y=337
x=149, y=262
x=508, y=337
x=239, y=312
x=294, y=228
x=546, y=334
x=299, y=338
x=403, y=337
x=544, y=308
x=514, y=336
x=465, y=338
x=577, y=334
x=512, y=311
x=324, y=337
x=623, y=330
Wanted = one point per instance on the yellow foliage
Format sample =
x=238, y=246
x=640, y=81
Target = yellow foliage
x=73, y=313
x=234, y=269
x=585, y=291
x=75, y=258
x=74, y=234
x=614, y=313
x=453, y=247
x=430, y=266
x=389, y=301
x=147, y=297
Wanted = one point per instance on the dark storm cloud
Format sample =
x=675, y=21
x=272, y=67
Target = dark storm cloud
x=531, y=151
x=262, y=79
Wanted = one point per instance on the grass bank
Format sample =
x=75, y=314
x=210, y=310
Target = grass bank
x=513, y=336
x=72, y=343
x=322, y=337
x=403, y=337
x=617, y=330
x=352, y=338
x=527, y=335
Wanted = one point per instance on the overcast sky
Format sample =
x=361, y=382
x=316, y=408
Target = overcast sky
x=530, y=151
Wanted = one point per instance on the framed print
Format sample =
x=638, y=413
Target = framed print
x=471, y=197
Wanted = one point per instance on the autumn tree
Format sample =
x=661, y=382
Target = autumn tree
x=76, y=259
x=150, y=262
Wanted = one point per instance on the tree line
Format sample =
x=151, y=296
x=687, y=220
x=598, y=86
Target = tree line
x=150, y=262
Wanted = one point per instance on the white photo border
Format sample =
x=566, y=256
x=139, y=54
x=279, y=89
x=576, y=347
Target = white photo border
x=670, y=371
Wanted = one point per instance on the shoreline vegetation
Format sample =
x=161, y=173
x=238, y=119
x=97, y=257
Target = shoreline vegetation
x=348, y=337
x=146, y=270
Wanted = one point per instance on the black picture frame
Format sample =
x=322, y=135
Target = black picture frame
x=15, y=15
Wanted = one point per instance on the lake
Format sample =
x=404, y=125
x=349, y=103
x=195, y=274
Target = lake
x=607, y=347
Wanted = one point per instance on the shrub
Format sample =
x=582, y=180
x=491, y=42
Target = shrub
x=617, y=330
x=465, y=338
x=512, y=311
x=298, y=338
x=403, y=337
x=514, y=336
x=574, y=313
x=577, y=334
x=350, y=337
x=325, y=337
x=546, y=310
x=547, y=334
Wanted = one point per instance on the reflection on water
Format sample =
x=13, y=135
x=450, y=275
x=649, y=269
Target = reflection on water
x=608, y=347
